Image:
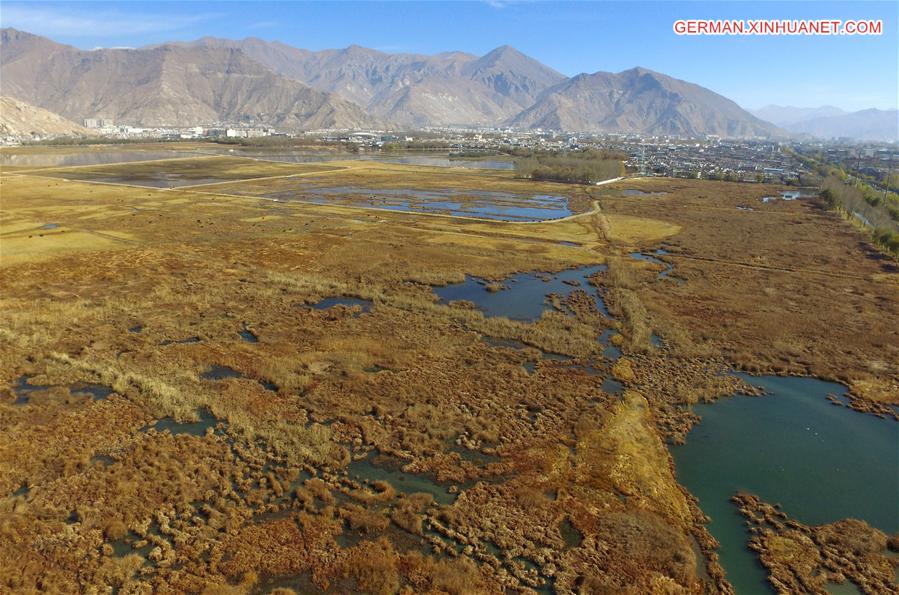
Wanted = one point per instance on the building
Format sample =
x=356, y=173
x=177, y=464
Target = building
x=98, y=123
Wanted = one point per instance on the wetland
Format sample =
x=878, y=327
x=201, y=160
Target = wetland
x=205, y=390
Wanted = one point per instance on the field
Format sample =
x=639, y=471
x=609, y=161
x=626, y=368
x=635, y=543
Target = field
x=179, y=412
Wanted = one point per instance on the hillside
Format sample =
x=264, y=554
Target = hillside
x=22, y=120
x=639, y=101
x=165, y=86
x=410, y=89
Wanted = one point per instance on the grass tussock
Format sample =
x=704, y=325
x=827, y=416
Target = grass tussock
x=372, y=566
x=283, y=371
x=632, y=313
x=555, y=331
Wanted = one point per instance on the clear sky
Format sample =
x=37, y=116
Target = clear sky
x=850, y=72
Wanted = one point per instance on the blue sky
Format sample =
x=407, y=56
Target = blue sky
x=849, y=72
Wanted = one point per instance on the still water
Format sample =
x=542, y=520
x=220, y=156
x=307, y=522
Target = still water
x=821, y=462
x=85, y=157
x=523, y=296
x=501, y=206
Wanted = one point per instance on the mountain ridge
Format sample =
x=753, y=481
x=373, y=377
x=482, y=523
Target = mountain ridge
x=448, y=88
x=252, y=80
x=164, y=86
x=785, y=115
x=869, y=124
x=643, y=101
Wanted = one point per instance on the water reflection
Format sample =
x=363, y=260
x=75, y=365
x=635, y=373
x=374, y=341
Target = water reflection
x=821, y=463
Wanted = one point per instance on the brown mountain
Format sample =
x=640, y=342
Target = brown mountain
x=639, y=101
x=410, y=89
x=23, y=120
x=214, y=80
x=164, y=86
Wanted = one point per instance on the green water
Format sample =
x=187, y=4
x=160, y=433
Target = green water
x=821, y=462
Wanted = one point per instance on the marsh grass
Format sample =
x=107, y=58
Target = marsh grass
x=177, y=393
x=624, y=302
x=554, y=331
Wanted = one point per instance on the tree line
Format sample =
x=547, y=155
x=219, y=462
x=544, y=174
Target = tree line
x=573, y=167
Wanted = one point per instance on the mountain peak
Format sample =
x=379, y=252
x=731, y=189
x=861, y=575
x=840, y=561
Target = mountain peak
x=638, y=71
x=208, y=82
x=502, y=86
x=360, y=50
x=10, y=34
x=639, y=100
x=506, y=54
x=503, y=50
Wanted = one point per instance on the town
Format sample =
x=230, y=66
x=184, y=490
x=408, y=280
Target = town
x=709, y=157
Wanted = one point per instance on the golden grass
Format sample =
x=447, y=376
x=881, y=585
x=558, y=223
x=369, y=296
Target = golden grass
x=411, y=379
x=223, y=167
x=44, y=246
x=639, y=230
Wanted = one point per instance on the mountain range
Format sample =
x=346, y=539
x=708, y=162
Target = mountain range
x=252, y=81
x=409, y=90
x=639, y=100
x=163, y=86
x=788, y=115
x=832, y=122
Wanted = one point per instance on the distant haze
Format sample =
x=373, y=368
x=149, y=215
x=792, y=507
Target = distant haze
x=786, y=115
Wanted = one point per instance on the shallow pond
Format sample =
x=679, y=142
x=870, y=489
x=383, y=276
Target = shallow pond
x=474, y=456
x=650, y=258
x=530, y=366
x=97, y=392
x=610, y=351
x=379, y=468
x=248, y=336
x=85, y=157
x=441, y=161
x=612, y=386
x=523, y=296
x=217, y=372
x=23, y=389
x=484, y=204
x=821, y=462
x=570, y=534
x=635, y=192
x=193, y=428
x=430, y=160
x=785, y=195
